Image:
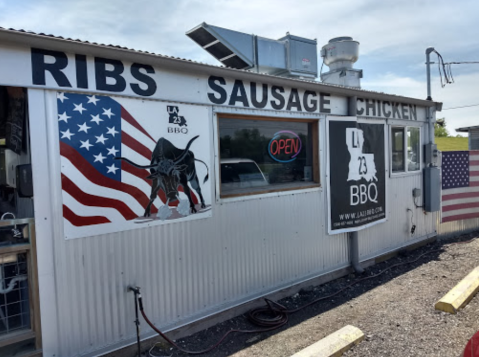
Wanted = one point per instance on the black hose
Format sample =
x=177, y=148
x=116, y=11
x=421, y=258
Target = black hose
x=171, y=342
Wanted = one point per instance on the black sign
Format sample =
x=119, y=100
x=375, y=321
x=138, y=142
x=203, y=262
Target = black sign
x=357, y=178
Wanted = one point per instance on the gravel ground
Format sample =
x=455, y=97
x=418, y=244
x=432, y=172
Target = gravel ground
x=394, y=310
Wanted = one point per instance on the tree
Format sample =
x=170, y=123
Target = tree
x=440, y=130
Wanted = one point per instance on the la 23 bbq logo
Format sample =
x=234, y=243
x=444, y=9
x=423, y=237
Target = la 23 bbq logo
x=176, y=119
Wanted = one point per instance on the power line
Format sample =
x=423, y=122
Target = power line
x=446, y=70
x=465, y=106
x=471, y=62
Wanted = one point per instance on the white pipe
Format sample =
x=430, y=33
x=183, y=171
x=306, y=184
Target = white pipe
x=11, y=285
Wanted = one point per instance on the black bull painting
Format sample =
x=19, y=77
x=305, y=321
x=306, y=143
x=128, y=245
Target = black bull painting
x=169, y=167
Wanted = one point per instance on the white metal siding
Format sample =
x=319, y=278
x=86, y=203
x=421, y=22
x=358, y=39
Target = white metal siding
x=454, y=228
x=189, y=270
x=396, y=232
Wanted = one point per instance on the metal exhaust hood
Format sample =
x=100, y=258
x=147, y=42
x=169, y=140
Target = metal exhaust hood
x=290, y=56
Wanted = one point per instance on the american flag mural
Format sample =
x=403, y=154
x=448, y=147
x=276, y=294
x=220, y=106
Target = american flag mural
x=103, y=194
x=460, y=185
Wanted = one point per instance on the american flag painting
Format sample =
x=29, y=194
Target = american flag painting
x=460, y=185
x=102, y=194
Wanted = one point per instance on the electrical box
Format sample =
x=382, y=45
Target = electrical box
x=430, y=153
x=416, y=192
x=8, y=162
x=432, y=189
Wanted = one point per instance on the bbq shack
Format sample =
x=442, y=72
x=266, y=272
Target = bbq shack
x=207, y=186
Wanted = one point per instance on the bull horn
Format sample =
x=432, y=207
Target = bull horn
x=136, y=165
x=182, y=156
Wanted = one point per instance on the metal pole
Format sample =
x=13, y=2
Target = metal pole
x=428, y=67
x=354, y=252
x=136, y=291
x=354, y=236
x=428, y=109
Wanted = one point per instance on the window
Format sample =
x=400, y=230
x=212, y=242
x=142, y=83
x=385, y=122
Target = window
x=405, y=149
x=398, y=149
x=259, y=155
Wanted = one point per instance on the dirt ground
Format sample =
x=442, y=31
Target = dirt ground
x=394, y=310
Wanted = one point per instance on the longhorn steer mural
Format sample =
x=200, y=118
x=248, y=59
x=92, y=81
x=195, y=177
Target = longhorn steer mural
x=169, y=167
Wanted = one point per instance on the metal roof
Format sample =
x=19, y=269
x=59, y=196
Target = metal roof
x=60, y=43
x=466, y=129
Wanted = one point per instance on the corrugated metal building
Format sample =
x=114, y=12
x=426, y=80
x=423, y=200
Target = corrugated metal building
x=86, y=247
x=473, y=136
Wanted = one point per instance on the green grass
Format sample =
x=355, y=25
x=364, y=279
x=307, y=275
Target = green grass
x=452, y=144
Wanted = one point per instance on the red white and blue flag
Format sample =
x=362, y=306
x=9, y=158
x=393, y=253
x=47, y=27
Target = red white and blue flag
x=97, y=189
x=460, y=185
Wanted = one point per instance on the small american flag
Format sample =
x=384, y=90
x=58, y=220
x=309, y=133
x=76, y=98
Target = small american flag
x=96, y=188
x=460, y=185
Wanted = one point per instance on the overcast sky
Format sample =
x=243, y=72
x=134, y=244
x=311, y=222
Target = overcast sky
x=393, y=35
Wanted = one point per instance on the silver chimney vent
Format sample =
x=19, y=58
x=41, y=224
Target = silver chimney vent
x=290, y=56
x=339, y=55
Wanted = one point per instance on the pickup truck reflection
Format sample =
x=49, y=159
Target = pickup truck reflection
x=240, y=173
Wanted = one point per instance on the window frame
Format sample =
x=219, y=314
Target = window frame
x=315, y=183
x=406, y=170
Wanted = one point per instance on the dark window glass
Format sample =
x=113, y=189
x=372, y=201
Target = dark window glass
x=265, y=155
x=397, y=142
x=413, y=149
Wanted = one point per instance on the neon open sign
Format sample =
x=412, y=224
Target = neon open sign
x=285, y=146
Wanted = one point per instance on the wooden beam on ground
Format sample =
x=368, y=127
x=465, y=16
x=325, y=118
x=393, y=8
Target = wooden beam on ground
x=461, y=294
x=335, y=344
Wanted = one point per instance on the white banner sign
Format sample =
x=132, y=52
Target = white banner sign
x=127, y=163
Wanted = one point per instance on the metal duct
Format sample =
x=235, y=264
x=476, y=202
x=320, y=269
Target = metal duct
x=290, y=56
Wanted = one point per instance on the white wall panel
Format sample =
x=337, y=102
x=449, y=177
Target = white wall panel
x=396, y=232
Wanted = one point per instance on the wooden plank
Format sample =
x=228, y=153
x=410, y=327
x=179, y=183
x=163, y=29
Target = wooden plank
x=36, y=353
x=15, y=337
x=335, y=344
x=15, y=249
x=461, y=294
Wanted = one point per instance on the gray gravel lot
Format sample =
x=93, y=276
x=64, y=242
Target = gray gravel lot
x=394, y=310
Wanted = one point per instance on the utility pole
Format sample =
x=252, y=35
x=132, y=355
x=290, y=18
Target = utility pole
x=429, y=110
x=428, y=67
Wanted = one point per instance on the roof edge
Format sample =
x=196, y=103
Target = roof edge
x=77, y=46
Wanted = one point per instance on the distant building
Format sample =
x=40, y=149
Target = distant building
x=473, y=136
